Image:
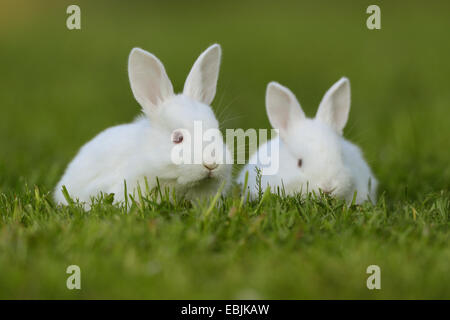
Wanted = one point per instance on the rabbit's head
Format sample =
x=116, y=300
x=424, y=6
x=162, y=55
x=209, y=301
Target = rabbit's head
x=173, y=117
x=312, y=156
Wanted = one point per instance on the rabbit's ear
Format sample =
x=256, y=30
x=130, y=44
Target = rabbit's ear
x=335, y=105
x=148, y=79
x=202, y=80
x=283, y=108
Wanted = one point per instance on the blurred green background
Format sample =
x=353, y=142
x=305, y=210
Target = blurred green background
x=59, y=88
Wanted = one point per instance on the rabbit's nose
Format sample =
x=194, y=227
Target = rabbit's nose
x=210, y=166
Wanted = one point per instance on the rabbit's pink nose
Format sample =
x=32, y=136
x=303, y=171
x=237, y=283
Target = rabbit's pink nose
x=210, y=166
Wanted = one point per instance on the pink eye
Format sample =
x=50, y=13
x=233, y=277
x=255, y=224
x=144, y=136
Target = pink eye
x=299, y=163
x=177, y=137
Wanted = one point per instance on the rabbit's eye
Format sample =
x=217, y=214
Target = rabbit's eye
x=177, y=137
x=299, y=163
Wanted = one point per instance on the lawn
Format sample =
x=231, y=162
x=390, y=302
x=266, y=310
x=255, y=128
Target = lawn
x=58, y=88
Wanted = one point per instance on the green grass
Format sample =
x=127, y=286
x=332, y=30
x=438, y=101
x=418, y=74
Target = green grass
x=59, y=88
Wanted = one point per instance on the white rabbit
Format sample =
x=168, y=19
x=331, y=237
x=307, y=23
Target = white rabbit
x=313, y=154
x=142, y=149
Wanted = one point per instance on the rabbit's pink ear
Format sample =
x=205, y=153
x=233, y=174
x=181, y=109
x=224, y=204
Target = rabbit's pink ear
x=201, y=82
x=148, y=79
x=335, y=105
x=283, y=109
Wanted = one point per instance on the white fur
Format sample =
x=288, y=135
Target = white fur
x=142, y=149
x=329, y=162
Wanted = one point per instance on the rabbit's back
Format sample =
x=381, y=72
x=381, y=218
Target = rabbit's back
x=102, y=164
x=365, y=182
